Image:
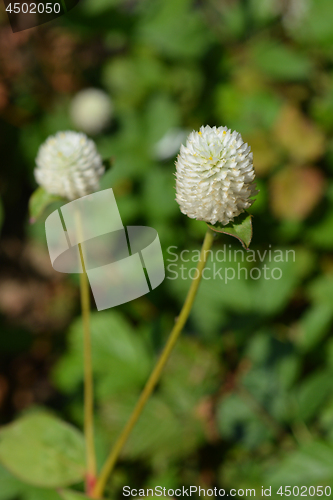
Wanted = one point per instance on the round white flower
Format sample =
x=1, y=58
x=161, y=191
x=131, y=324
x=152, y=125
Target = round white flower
x=215, y=174
x=69, y=165
x=91, y=110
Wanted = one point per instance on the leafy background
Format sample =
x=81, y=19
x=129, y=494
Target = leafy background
x=247, y=397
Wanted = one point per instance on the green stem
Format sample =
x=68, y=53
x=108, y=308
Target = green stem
x=156, y=373
x=88, y=374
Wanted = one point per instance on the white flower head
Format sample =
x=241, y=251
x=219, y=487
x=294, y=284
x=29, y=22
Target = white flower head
x=69, y=165
x=214, y=175
x=91, y=110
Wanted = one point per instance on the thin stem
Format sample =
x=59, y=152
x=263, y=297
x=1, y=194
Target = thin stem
x=88, y=374
x=156, y=373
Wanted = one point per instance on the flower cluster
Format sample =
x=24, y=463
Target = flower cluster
x=215, y=174
x=69, y=165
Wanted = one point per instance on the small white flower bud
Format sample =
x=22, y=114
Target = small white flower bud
x=69, y=165
x=215, y=174
x=91, y=110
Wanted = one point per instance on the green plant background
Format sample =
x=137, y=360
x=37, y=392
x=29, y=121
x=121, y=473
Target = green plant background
x=247, y=397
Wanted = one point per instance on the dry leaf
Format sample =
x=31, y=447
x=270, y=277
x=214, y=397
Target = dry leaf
x=295, y=191
x=302, y=140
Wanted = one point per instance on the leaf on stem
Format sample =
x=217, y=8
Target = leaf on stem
x=240, y=228
x=44, y=451
x=39, y=201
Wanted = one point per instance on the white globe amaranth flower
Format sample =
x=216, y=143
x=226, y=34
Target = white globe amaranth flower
x=91, y=110
x=214, y=175
x=69, y=165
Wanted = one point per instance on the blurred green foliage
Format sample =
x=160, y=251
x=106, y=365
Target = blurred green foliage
x=247, y=398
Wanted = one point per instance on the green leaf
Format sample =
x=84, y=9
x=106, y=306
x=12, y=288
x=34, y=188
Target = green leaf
x=38, y=202
x=246, y=111
x=175, y=30
x=308, y=465
x=163, y=431
x=72, y=495
x=33, y=493
x=43, y=451
x=240, y=228
x=314, y=27
x=281, y=62
x=314, y=325
x=235, y=417
x=188, y=358
x=10, y=486
x=116, y=347
x=320, y=289
x=321, y=235
x=311, y=394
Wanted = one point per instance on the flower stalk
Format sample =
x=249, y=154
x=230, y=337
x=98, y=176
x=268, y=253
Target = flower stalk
x=157, y=371
x=91, y=469
x=69, y=166
x=88, y=382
